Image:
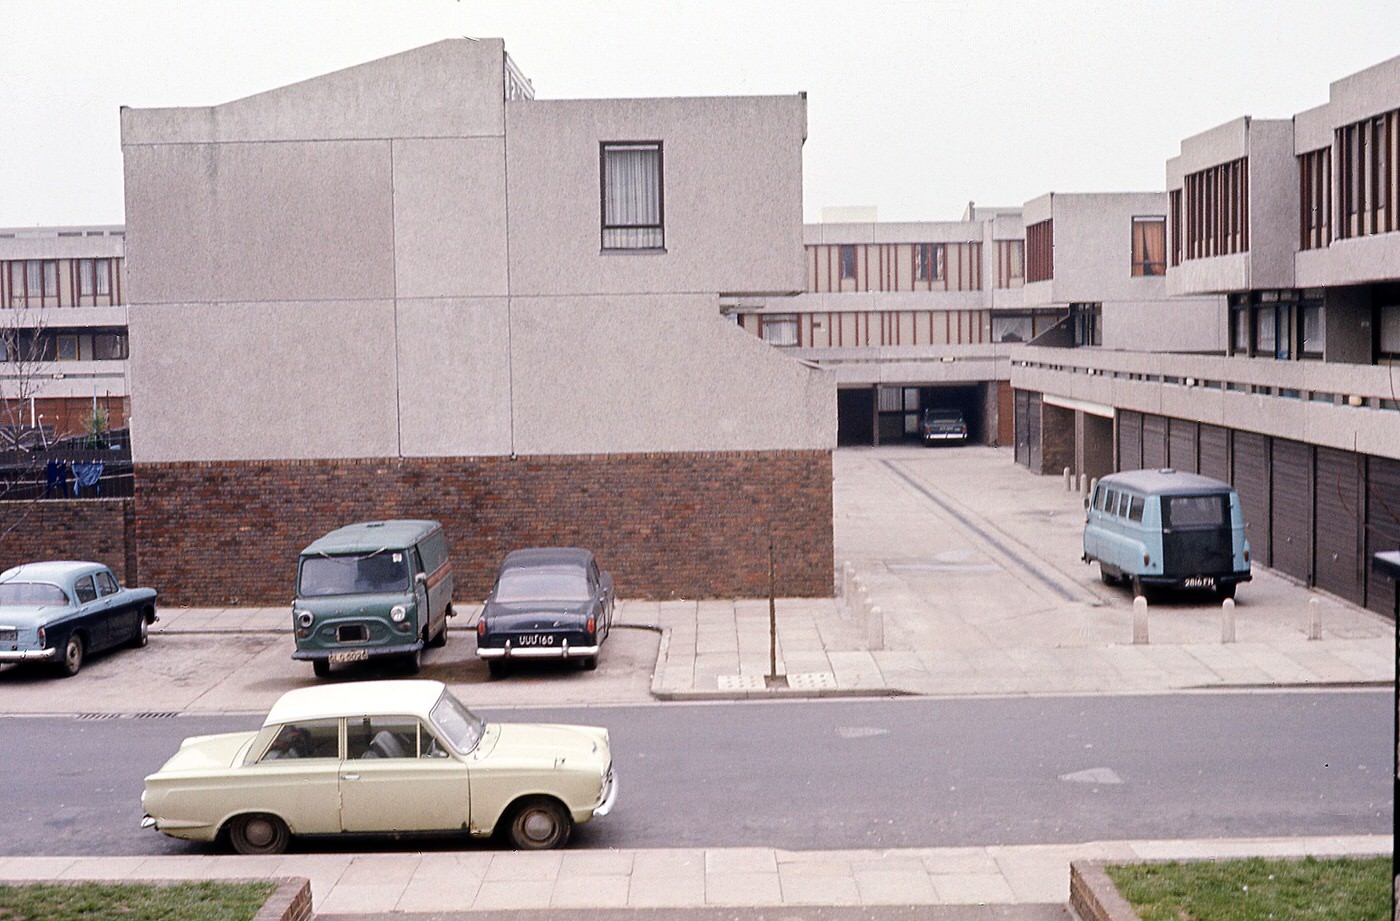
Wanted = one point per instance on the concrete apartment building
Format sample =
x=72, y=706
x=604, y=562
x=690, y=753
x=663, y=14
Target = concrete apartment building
x=1294, y=223
x=412, y=289
x=63, y=339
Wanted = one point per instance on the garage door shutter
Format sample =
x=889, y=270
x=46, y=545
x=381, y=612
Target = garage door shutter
x=1214, y=445
x=1023, y=445
x=1181, y=445
x=1154, y=442
x=1250, y=477
x=1033, y=431
x=1339, y=512
x=1129, y=440
x=1292, y=509
x=1382, y=528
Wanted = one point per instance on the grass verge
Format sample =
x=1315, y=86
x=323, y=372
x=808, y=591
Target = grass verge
x=1256, y=889
x=201, y=901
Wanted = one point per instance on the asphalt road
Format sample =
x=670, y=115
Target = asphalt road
x=829, y=775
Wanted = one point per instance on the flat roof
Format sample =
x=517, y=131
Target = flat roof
x=1165, y=481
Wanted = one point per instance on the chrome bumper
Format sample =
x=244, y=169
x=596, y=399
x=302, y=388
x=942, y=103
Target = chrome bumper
x=563, y=651
x=26, y=655
x=609, y=795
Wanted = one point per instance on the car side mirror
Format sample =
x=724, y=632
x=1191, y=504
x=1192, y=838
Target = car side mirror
x=421, y=578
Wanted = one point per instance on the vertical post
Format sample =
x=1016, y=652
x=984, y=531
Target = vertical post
x=772, y=616
x=1139, y=620
x=1314, y=619
x=1227, y=620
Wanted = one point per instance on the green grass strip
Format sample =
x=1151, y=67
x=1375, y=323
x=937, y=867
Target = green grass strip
x=1256, y=889
x=199, y=901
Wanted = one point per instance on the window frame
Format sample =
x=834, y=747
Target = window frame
x=659, y=227
x=1141, y=265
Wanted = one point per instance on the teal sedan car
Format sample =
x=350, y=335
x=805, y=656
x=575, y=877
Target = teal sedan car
x=60, y=612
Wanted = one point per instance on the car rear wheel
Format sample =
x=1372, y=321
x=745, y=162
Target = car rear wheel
x=589, y=663
x=1225, y=590
x=143, y=633
x=72, y=661
x=258, y=833
x=498, y=668
x=539, y=824
x=322, y=667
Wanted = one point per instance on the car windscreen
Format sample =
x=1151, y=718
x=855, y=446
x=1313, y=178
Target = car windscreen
x=40, y=593
x=542, y=583
x=353, y=574
x=944, y=417
x=1195, y=511
x=461, y=727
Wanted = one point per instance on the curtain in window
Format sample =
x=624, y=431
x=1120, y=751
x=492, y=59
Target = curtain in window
x=632, y=197
x=84, y=276
x=104, y=276
x=1149, y=246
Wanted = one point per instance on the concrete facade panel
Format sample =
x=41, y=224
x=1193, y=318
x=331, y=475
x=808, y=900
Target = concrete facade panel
x=454, y=377
x=287, y=380
x=1189, y=324
x=450, y=217
x=1273, y=204
x=732, y=195
x=1355, y=260
x=656, y=374
x=259, y=222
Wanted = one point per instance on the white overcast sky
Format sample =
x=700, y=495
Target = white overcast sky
x=914, y=106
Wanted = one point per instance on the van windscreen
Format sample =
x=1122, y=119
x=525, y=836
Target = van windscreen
x=1195, y=511
x=384, y=571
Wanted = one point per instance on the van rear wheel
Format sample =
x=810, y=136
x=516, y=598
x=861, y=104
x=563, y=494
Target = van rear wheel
x=1225, y=590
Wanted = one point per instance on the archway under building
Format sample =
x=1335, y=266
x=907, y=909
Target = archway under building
x=890, y=413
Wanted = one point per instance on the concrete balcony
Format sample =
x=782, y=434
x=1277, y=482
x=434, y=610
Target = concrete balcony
x=1343, y=406
x=911, y=365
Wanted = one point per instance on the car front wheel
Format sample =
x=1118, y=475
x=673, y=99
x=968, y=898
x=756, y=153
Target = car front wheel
x=540, y=824
x=72, y=661
x=258, y=833
x=143, y=633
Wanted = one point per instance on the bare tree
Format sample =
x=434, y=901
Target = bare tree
x=23, y=354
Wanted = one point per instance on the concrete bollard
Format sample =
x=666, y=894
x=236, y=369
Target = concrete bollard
x=1084, y=484
x=875, y=628
x=1314, y=619
x=1227, y=620
x=1139, y=621
x=1069, y=478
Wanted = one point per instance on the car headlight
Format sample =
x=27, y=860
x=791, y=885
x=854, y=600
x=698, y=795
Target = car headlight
x=397, y=613
x=305, y=619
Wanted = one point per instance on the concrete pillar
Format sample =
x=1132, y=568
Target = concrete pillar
x=1227, y=620
x=875, y=628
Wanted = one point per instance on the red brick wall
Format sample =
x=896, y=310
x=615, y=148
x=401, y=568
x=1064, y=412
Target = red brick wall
x=667, y=525
x=101, y=530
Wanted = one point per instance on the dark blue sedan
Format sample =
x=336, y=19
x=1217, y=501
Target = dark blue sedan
x=59, y=612
x=548, y=603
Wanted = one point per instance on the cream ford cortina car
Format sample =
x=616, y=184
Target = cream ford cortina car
x=382, y=757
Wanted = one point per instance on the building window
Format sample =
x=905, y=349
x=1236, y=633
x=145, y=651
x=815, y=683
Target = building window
x=1368, y=158
x=1315, y=199
x=67, y=348
x=85, y=276
x=632, y=196
x=1388, y=332
x=1176, y=226
x=779, y=329
x=848, y=262
x=103, y=267
x=1149, y=246
x=928, y=262
x=109, y=346
x=1313, y=331
x=1040, y=251
x=1239, y=331
x=1011, y=272
x=1088, y=323
x=1217, y=210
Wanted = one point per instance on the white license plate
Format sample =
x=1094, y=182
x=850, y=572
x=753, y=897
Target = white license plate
x=535, y=639
x=1199, y=582
x=349, y=655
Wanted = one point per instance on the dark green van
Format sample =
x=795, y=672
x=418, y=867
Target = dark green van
x=378, y=588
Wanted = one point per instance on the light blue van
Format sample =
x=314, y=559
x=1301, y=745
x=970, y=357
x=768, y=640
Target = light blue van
x=1166, y=529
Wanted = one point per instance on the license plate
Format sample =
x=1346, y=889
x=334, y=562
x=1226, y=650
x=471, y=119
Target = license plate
x=349, y=655
x=1199, y=582
x=8, y=634
x=535, y=639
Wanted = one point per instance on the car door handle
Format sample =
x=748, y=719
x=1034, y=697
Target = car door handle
x=349, y=776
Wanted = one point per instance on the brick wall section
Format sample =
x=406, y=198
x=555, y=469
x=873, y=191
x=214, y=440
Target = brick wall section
x=101, y=530
x=684, y=525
